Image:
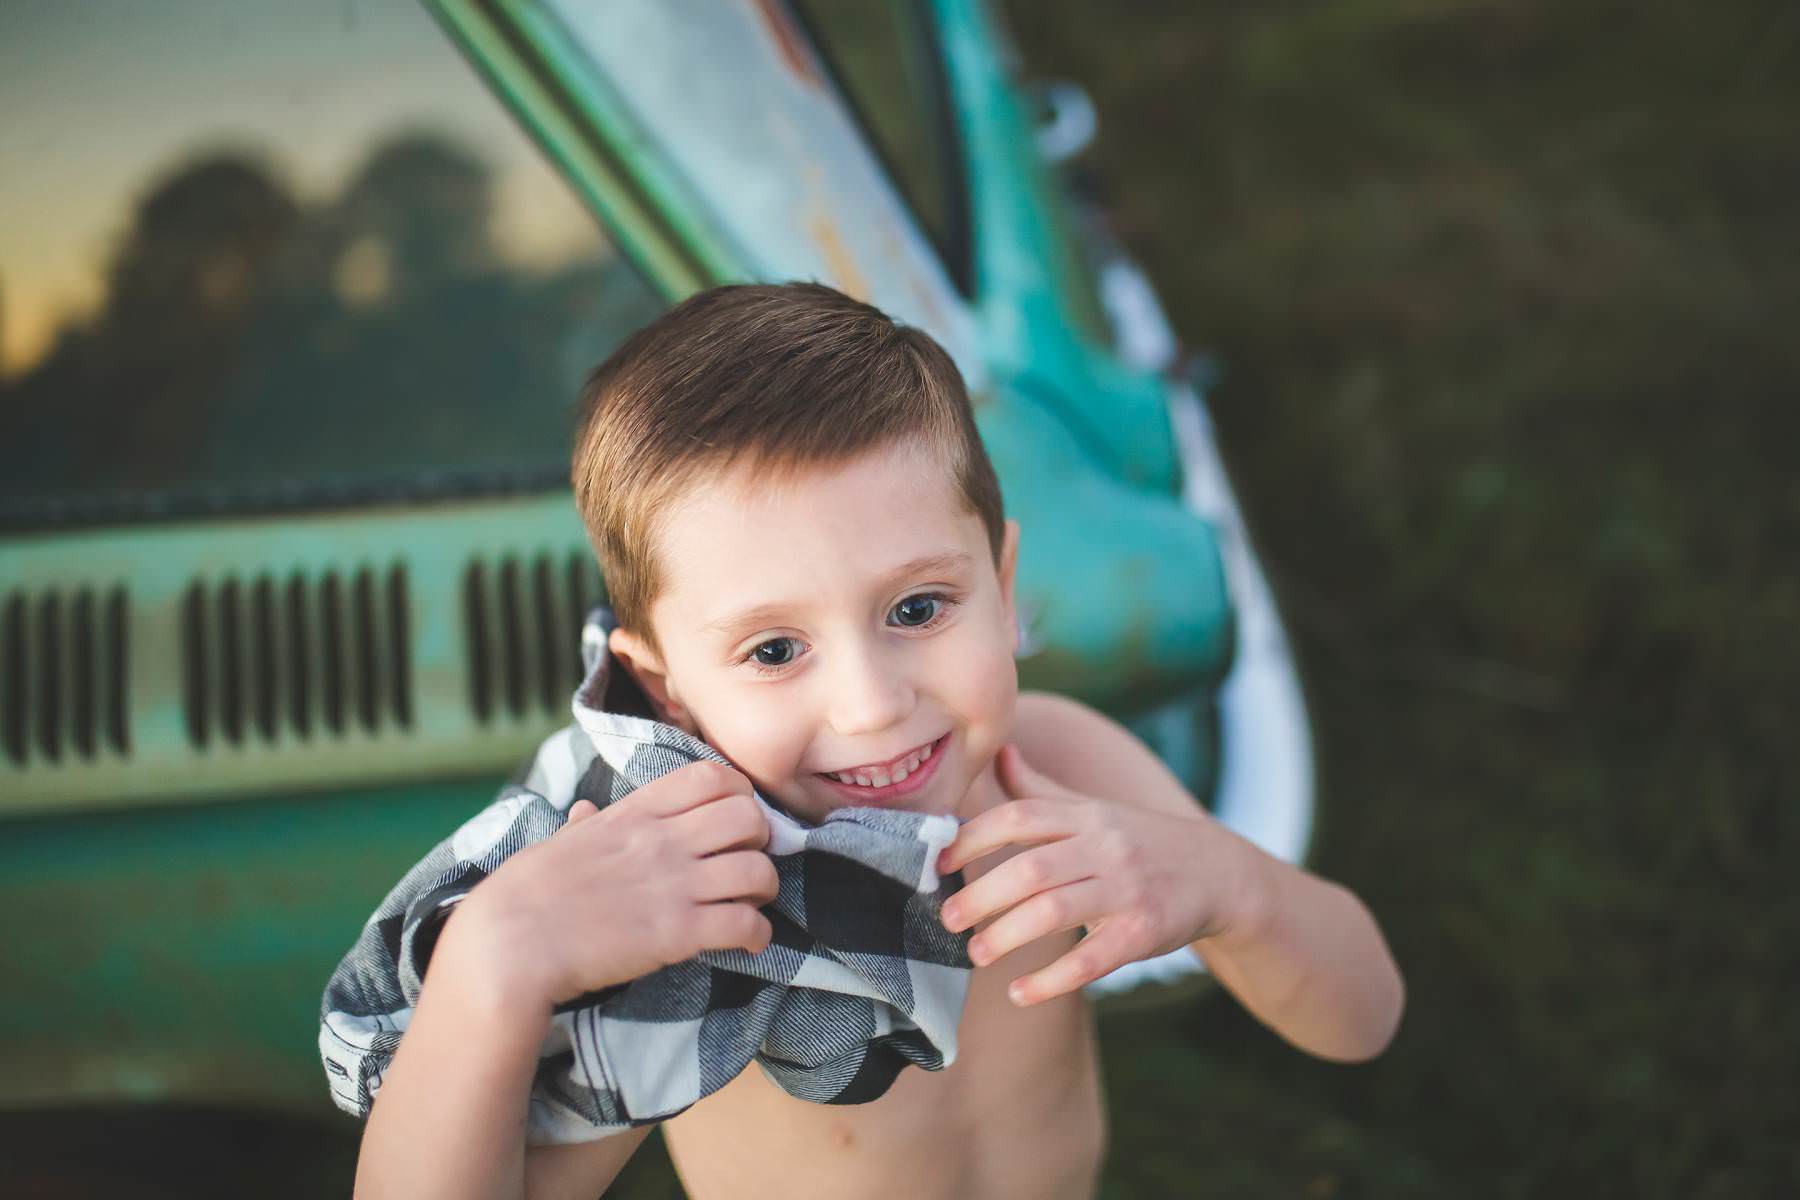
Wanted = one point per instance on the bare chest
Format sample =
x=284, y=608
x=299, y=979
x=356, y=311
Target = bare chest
x=1019, y=1114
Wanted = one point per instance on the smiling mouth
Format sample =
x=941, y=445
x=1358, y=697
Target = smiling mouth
x=890, y=777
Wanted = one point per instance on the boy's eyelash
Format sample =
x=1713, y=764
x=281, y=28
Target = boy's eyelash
x=946, y=603
x=759, y=668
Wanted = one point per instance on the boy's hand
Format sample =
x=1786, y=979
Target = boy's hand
x=1143, y=882
x=674, y=868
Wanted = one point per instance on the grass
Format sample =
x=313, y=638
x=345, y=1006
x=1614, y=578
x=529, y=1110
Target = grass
x=1504, y=300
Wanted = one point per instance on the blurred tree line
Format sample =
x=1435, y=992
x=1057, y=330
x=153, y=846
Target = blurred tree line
x=252, y=349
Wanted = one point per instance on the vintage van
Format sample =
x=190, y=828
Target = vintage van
x=296, y=303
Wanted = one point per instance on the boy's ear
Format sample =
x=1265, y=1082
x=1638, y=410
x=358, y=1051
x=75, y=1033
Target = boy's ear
x=647, y=668
x=1008, y=568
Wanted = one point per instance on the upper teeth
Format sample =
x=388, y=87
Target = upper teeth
x=883, y=776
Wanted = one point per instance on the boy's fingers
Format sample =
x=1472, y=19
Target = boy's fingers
x=1015, y=881
x=732, y=926
x=1038, y=820
x=1093, y=956
x=735, y=822
x=688, y=787
x=1046, y=913
x=580, y=810
x=741, y=875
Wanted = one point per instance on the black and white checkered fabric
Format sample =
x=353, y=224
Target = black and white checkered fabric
x=860, y=979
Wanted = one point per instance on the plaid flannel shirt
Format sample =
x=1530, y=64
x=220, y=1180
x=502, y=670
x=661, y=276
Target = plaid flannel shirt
x=860, y=979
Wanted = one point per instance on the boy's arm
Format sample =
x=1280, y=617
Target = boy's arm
x=1302, y=954
x=450, y=1117
x=674, y=868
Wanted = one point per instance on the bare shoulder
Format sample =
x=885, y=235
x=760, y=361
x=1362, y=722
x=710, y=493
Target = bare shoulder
x=1088, y=752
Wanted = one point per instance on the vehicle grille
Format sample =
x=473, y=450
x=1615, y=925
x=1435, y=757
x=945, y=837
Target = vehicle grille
x=63, y=661
x=276, y=658
x=522, y=619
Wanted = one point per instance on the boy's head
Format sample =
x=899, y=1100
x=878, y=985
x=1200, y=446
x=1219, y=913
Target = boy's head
x=786, y=376
x=789, y=450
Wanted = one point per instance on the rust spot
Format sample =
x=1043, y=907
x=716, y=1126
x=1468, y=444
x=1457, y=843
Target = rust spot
x=823, y=230
x=893, y=249
x=790, y=42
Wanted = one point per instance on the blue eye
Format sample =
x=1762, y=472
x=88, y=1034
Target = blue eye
x=917, y=611
x=776, y=652
x=924, y=611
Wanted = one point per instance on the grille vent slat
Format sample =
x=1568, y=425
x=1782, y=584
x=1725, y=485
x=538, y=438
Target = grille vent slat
x=513, y=663
x=399, y=647
x=117, y=660
x=81, y=672
x=300, y=661
x=50, y=676
x=477, y=621
x=12, y=641
x=549, y=616
x=231, y=664
x=522, y=621
x=195, y=694
x=264, y=644
x=368, y=656
x=62, y=675
x=331, y=648
x=268, y=661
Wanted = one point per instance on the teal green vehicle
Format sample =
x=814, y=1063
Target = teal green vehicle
x=295, y=301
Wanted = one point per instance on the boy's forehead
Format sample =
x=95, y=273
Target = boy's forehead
x=749, y=534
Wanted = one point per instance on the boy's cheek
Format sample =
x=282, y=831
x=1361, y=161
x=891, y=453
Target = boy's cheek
x=994, y=673
x=751, y=736
x=988, y=682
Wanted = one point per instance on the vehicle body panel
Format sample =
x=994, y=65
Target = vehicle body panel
x=194, y=880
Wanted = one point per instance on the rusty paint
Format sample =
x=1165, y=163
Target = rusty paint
x=893, y=249
x=790, y=43
x=823, y=230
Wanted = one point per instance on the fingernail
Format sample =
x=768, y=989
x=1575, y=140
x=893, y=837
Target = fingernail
x=950, y=915
x=1016, y=993
x=978, y=953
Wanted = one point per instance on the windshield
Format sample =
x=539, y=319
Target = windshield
x=266, y=255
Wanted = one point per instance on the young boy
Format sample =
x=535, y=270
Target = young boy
x=803, y=543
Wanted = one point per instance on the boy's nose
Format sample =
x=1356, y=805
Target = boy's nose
x=869, y=694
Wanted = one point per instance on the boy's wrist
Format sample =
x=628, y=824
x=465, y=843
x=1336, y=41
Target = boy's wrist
x=1255, y=895
x=490, y=963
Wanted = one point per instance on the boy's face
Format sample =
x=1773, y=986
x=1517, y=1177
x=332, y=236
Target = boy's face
x=843, y=621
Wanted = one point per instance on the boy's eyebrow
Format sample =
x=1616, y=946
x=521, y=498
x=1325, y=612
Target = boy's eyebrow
x=947, y=563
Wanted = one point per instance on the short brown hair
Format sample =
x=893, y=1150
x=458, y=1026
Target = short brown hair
x=783, y=375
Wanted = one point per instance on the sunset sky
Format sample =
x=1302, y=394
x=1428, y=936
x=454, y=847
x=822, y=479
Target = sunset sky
x=104, y=97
